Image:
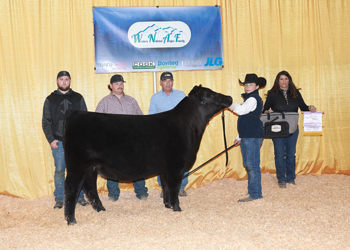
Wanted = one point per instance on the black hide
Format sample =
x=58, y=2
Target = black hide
x=133, y=147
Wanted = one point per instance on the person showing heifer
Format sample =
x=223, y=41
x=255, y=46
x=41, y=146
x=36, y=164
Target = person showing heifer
x=117, y=102
x=164, y=100
x=250, y=132
x=55, y=107
x=284, y=96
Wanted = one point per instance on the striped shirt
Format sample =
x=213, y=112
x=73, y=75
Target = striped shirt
x=126, y=105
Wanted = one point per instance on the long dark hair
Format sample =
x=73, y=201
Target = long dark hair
x=291, y=87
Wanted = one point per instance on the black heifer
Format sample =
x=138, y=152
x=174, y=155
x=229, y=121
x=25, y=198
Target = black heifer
x=132, y=147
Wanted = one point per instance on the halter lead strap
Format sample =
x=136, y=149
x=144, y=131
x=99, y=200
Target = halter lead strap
x=226, y=149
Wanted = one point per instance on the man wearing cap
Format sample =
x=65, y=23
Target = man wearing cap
x=164, y=100
x=117, y=102
x=250, y=132
x=55, y=108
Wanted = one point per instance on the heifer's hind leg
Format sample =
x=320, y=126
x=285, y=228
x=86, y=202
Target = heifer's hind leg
x=90, y=189
x=72, y=190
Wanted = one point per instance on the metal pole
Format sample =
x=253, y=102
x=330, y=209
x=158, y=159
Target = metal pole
x=154, y=82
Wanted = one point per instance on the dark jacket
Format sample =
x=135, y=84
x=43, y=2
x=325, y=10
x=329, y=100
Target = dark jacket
x=249, y=125
x=55, y=108
x=278, y=103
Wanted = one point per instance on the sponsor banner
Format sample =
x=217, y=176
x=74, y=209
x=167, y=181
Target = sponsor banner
x=131, y=39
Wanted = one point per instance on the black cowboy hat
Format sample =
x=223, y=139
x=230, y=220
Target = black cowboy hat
x=249, y=78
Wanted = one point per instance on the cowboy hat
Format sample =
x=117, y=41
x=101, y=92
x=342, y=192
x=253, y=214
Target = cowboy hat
x=249, y=78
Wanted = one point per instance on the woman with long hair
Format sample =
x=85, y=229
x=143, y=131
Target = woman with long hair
x=284, y=96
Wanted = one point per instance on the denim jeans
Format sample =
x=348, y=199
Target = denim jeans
x=60, y=173
x=250, y=148
x=183, y=183
x=139, y=187
x=285, y=149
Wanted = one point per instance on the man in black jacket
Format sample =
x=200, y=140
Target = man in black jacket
x=55, y=108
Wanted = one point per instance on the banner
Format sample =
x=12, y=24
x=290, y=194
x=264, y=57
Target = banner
x=129, y=39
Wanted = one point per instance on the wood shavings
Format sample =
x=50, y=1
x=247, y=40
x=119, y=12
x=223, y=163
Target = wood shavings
x=314, y=214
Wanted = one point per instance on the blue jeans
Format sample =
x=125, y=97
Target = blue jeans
x=250, y=148
x=60, y=173
x=183, y=183
x=285, y=149
x=139, y=187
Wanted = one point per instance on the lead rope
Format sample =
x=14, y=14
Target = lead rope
x=226, y=149
x=223, y=128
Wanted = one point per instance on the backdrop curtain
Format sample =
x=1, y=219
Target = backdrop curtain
x=309, y=39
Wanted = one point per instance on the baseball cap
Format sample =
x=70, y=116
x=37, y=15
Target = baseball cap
x=117, y=78
x=166, y=75
x=63, y=73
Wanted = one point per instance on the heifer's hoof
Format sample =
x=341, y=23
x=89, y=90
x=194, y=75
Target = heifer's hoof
x=71, y=222
x=167, y=205
x=100, y=209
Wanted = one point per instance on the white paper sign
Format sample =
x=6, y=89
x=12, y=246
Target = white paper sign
x=313, y=122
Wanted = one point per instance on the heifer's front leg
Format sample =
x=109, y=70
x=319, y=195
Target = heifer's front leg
x=72, y=190
x=174, y=187
x=90, y=189
x=174, y=199
x=165, y=189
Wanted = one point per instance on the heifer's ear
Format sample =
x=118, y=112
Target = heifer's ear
x=193, y=90
x=196, y=94
x=200, y=85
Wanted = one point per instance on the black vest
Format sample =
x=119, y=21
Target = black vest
x=249, y=125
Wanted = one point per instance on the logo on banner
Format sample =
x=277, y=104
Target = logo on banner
x=120, y=65
x=169, y=34
x=191, y=63
x=167, y=65
x=213, y=63
x=143, y=65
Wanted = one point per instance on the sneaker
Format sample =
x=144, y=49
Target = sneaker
x=182, y=193
x=83, y=202
x=282, y=185
x=245, y=199
x=143, y=197
x=58, y=205
x=291, y=182
x=113, y=199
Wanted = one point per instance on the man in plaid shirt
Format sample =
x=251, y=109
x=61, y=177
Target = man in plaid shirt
x=117, y=102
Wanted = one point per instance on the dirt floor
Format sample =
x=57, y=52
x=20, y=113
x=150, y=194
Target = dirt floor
x=314, y=214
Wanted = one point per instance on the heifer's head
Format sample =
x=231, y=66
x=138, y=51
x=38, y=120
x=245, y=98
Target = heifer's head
x=212, y=102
